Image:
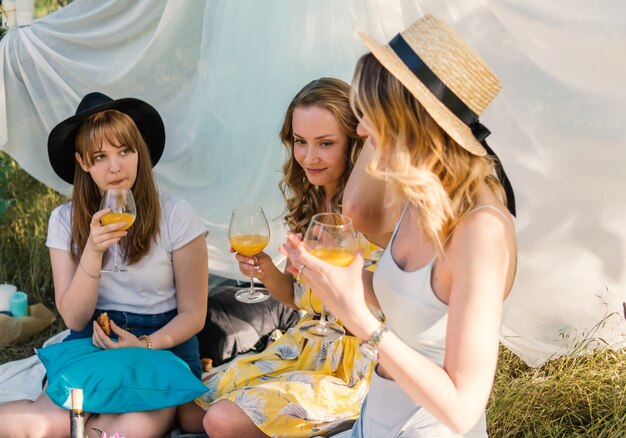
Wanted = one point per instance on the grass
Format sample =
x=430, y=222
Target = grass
x=25, y=205
x=25, y=349
x=583, y=396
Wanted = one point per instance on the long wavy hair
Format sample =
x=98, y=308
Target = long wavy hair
x=117, y=129
x=303, y=199
x=416, y=155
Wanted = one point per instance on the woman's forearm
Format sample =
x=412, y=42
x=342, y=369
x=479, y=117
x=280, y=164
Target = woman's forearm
x=77, y=302
x=280, y=285
x=181, y=328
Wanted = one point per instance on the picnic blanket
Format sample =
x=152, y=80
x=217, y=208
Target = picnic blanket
x=21, y=379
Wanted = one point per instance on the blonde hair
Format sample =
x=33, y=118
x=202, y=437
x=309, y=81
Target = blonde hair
x=303, y=199
x=118, y=129
x=416, y=155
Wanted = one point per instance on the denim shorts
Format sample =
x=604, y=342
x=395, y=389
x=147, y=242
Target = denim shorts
x=138, y=325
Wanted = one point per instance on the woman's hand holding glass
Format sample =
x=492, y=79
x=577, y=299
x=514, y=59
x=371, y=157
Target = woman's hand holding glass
x=101, y=237
x=249, y=234
x=339, y=288
x=330, y=237
x=259, y=265
x=122, y=212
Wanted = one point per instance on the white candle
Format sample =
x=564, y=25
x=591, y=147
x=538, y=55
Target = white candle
x=6, y=293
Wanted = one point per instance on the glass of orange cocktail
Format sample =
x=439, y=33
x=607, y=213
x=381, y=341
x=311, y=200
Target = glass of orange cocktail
x=249, y=234
x=330, y=237
x=123, y=209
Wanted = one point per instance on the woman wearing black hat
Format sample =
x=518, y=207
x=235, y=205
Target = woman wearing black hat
x=160, y=301
x=451, y=260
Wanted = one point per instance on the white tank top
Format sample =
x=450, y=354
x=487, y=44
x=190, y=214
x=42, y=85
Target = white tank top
x=412, y=310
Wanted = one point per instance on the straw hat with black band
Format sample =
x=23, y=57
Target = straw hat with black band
x=62, y=138
x=449, y=80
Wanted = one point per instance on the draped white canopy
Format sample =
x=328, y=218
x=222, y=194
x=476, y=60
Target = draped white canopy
x=221, y=73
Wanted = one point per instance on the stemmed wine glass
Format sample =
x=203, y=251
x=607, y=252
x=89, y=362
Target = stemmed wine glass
x=330, y=237
x=123, y=209
x=249, y=234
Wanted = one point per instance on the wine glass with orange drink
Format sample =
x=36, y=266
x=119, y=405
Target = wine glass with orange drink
x=249, y=234
x=123, y=209
x=330, y=237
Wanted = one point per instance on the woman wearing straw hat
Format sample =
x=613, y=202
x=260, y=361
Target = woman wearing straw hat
x=160, y=301
x=451, y=259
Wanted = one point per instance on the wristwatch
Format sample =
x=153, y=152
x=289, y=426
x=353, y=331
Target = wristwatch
x=369, y=348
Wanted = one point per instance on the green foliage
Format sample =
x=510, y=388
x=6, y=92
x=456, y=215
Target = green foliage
x=45, y=7
x=25, y=205
x=5, y=199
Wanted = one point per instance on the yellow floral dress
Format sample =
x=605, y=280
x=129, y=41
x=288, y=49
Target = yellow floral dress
x=296, y=387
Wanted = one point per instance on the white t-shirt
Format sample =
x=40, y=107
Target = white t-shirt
x=147, y=287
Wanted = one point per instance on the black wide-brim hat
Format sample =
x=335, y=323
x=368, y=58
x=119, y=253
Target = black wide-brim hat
x=62, y=138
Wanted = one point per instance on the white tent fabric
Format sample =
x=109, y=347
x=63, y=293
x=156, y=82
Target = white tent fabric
x=222, y=73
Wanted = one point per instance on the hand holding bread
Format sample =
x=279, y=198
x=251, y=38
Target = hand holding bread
x=105, y=323
x=121, y=338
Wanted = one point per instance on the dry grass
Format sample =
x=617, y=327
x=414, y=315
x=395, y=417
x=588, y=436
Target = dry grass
x=12, y=352
x=566, y=397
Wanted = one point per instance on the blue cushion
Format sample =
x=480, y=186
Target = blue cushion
x=117, y=381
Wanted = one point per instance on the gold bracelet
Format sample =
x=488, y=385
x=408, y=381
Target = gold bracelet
x=147, y=339
x=92, y=276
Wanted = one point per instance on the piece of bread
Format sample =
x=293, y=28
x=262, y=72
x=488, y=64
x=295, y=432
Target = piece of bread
x=105, y=323
x=207, y=364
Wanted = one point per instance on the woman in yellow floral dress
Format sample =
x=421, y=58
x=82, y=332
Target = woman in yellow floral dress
x=296, y=387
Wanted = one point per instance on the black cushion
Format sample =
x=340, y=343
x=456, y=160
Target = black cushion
x=233, y=327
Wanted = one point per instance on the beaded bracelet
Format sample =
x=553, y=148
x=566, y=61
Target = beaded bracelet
x=147, y=339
